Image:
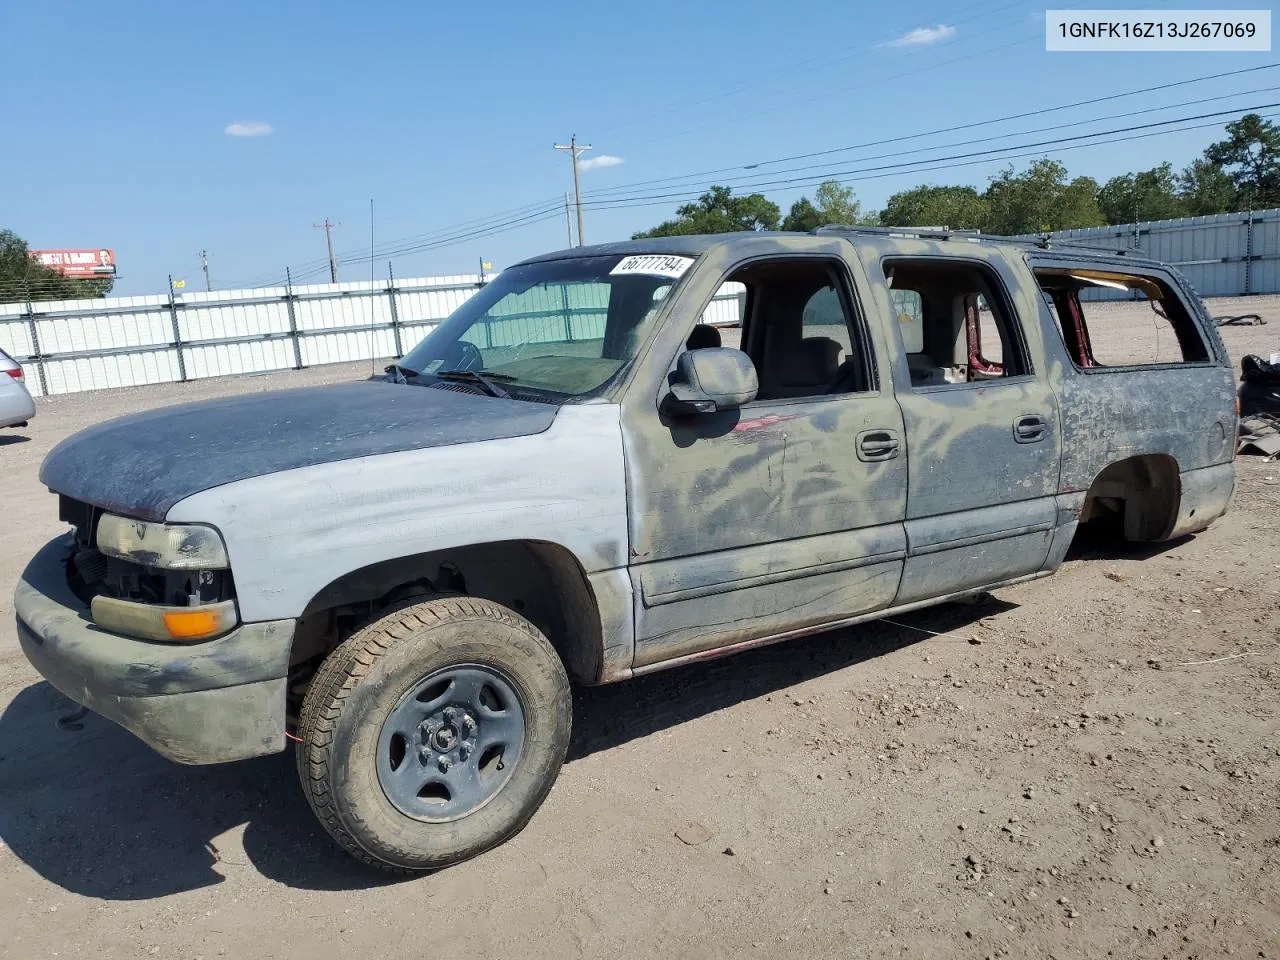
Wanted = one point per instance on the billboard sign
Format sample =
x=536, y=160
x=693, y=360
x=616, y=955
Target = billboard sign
x=81, y=264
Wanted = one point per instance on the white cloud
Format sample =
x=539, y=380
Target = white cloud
x=604, y=160
x=924, y=36
x=247, y=128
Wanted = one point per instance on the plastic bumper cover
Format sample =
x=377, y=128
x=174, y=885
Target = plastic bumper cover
x=194, y=703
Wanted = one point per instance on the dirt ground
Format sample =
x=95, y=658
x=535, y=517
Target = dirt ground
x=1055, y=772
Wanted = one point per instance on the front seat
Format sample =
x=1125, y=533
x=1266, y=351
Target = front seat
x=807, y=368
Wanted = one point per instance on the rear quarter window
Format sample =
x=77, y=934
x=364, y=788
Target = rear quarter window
x=1110, y=318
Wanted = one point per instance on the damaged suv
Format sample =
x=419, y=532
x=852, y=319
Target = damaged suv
x=573, y=480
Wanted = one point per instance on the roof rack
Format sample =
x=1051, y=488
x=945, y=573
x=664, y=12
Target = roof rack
x=1043, y=242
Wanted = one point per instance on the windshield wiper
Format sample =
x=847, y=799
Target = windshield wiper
x=398, y=373
x=485, y=380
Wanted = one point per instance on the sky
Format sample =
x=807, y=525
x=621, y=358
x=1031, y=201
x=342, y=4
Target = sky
x=161, y=130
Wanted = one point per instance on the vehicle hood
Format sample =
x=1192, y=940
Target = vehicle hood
x=141, y=465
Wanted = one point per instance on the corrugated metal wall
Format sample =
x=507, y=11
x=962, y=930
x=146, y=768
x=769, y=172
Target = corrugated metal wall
x=75, y=345
x=1224, y=255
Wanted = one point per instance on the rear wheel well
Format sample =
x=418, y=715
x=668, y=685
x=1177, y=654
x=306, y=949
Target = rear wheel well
x=543, y=582
x=1141, y=493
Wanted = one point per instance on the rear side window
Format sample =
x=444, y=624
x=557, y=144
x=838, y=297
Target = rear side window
x=956, y=324
x=1114, y=319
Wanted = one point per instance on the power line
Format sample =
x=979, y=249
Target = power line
x=985, y=139
x=318, y=266
x=817, y=93
x=756, y=183
x=552, y=209
x=929, y=166
x=804, y=78
x=793, y=67
x=594, y=198
x=590, y=196
x=930, y=133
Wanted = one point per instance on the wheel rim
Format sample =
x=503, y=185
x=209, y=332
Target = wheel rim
x=451, y=743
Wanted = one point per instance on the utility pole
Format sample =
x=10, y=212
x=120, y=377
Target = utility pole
x=575, y=151
x=568, y=223
x=327, y=227
x=204, y=259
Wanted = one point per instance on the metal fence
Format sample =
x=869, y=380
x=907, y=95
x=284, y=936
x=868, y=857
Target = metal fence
x=1224, y=255
x=76, y=345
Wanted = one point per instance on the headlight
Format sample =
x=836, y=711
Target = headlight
x=187, y=546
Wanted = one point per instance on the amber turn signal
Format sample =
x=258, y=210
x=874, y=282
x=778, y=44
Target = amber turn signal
x=190, y=624
x=153, y=622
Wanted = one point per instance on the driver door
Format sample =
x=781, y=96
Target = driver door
x=786, y=513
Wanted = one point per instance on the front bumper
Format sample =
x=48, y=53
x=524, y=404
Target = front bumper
x=194, y=703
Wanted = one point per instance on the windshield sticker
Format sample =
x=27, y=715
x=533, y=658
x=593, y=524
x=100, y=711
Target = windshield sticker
x=654, y=265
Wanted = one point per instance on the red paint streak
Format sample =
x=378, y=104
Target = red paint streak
x=761, y=422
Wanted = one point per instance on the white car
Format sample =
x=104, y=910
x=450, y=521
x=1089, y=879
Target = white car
x=16, y=405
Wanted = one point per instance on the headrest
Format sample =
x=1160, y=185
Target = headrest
x=812, y=361
x=703, y=336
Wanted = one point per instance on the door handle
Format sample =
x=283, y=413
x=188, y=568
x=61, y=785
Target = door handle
x=874, y=445
x=1030, y=428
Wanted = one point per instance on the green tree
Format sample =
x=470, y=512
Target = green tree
x=959, y=208
x=831, y=204
x=1205, y=188
x=1250, y=156
x=803, y=216
x=1041, y=199
x=22, y=278
x=1148, y=195
x=718, y=211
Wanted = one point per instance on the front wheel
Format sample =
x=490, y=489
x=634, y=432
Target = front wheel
x=434, y=733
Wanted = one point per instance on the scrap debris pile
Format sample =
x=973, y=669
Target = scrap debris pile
x=1260, y=406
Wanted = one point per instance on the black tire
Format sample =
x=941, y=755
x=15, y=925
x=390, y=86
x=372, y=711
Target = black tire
x=360, y=684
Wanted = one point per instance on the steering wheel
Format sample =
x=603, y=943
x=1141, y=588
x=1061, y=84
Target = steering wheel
x=462, y=356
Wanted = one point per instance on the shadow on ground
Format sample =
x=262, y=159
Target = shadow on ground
x=96, y=812
x=1103, y=539
x=8, y=440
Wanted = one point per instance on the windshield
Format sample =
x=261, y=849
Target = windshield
x=560, y=326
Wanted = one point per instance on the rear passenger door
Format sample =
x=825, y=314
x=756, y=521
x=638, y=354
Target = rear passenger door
x=982, y=426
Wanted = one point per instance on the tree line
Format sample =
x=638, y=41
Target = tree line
x=1239, y=172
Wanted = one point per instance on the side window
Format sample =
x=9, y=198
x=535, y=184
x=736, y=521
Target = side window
x=955, y=323
x=824, y=316
x=726, y=307
x=1112, y=319
x=801, y=331
x=909, y=309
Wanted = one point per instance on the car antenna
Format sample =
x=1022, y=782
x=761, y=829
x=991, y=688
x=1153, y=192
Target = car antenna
x=373, y=282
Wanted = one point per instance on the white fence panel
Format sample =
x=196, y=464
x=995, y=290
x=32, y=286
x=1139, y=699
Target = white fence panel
x=344, y=347
x=112, y=370
x=225, y=359
x=129, y=341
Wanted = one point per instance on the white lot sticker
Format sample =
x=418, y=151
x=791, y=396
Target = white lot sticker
x=654, y=264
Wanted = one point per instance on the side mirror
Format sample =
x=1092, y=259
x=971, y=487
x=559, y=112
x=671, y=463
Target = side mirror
x=710, y=380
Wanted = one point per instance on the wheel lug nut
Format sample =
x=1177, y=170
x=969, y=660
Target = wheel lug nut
x=464, y=751
x=469, y=722
x=444, y=764
x=449, y=714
